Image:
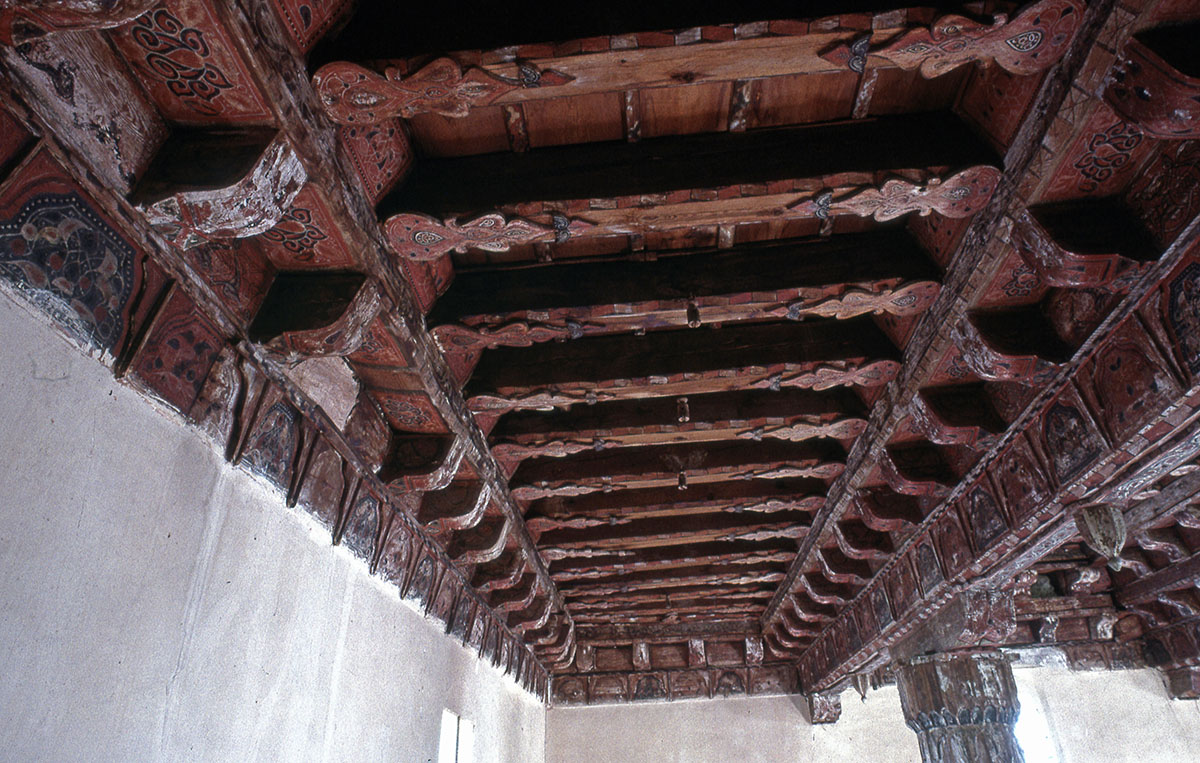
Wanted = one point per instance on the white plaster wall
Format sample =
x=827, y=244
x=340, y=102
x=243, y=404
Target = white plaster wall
x=746, y=729
x=1119, y=717
x=1067, y=717
x=156, y=604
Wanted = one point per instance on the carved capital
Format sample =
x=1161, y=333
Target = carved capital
x=962, y=705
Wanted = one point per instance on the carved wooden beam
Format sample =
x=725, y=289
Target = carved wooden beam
x=354, y=95
x=719, y=526
x=670, y=476
x=745, y=496
x=422, y=238
x=1030, y=43
x=697, y=580
x=791, y=429
x=770, y=356
x=746, y=556
x=815, y=376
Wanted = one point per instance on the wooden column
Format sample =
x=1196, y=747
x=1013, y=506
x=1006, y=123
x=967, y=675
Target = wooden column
x=962, y=705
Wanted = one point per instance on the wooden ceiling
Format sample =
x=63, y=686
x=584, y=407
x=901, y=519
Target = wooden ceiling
x=699, y=351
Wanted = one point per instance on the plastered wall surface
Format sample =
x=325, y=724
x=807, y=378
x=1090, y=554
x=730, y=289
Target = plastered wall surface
x=1084, y=717
x=156, y=604
x=1118, y=717
x=745, y=730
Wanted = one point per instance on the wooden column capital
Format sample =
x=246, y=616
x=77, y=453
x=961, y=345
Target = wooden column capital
x=962, y=705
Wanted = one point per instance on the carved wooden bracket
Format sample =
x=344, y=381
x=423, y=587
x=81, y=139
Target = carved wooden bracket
x=481, y=543
x=961, y=195
x=354, y=95
x=896, y=478
x=341, y=337
x=938, y=430
x=988, y=363
x=1152, y=94
x=32, y=18
x=425, y=239
x=252, y=205
x=460, y=506
x=1063, y=268
x=413, y=468
x=1032, y=42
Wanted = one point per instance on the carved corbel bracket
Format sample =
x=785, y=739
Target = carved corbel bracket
x=839, y=568
x=21, y=20
x=1032, y=42
x=896, y=478
x=887, y=512
x=460, y=506
x=858, y=541
x=1063, y=268
x=354, y=95
x=480, y=543
x=1152, y=94
x=961, y=195
x=341, y=337
x=423, y=463
x=425, y=239
x=253, y=204
x=822, y=591
x=931, y=424
x=988, y=363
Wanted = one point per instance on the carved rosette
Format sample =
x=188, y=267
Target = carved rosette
x=824, y=707
x=960, y=195
x=425, y=239
x=1032, y=42
x=354, y=95
x=962, y=705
